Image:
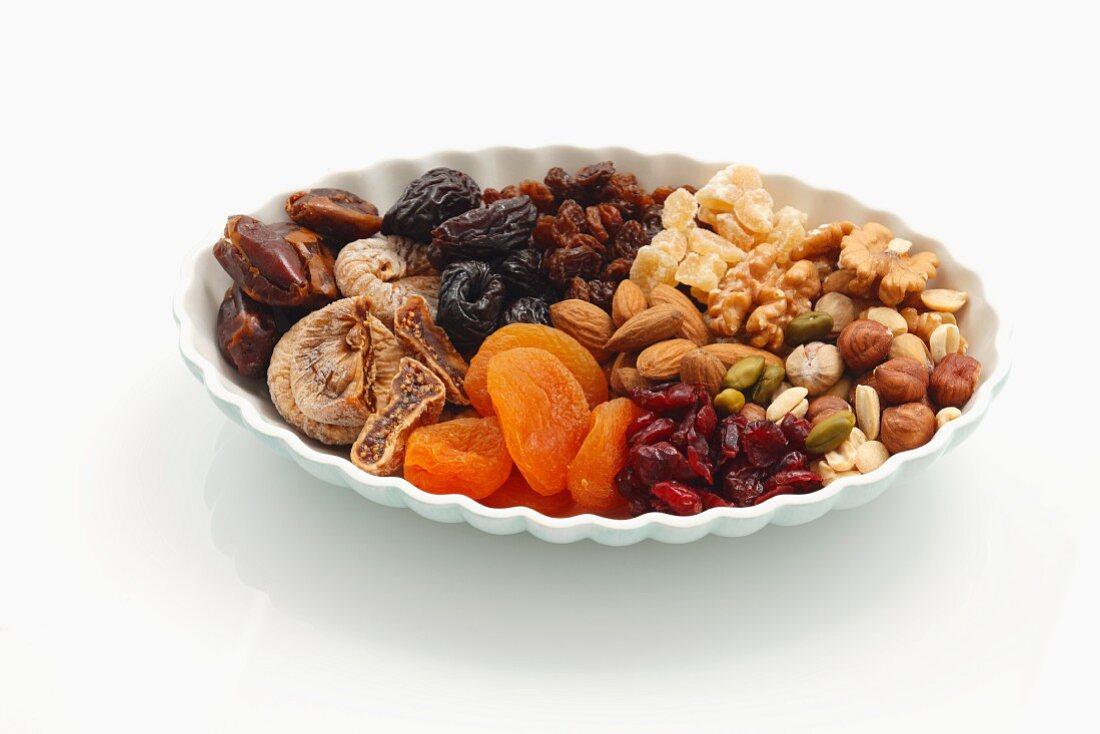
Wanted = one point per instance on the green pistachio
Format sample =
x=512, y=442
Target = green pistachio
x=830, y=432
x=808, y=327
x=744, y=373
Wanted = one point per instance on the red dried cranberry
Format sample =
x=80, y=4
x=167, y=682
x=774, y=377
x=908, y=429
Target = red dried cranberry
x=795, y=429
x=698, y=456
x=711, y=500
x=742, y=489
x=658, y=430
x=791, y=460
x=665, y=398
x=729, y=437
x=659, y=461
x=678, y=498
x=763, y=443
x=793, y=481
x=640, y=422
x=706, y=420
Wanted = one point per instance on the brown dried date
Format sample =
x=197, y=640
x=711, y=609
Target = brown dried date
x=339, y=215
x=430, y=200
x=247, y=332
x=280, y=265
x=488, y=233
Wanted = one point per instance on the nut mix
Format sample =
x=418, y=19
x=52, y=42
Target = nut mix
x=584, y=344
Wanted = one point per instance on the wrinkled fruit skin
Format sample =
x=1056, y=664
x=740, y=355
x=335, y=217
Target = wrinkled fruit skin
x=465, y=456
x=488, y=233
x=414, y=328
x=339, y=215
x=683, y=460
x=430, y=200
x=521, y=272
x=527, y=310
x=471, y=298
x=543, y=413
x=279, y=265
x=246, y=333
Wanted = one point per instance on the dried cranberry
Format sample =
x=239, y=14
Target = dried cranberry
x=790, y=460
x=742, y=489
x=656, y=430
x=698, y=456
x=659, y=461
x=763, y=443
x=665, y=398
x=729, y=438
x=795, y=429
x=706, y=420
x=678, y=498
x=641, y=422
x=711, y=500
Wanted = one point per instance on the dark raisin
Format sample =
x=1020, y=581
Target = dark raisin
x=430, y=200
x=246, y=332
x=490, y=196
x=595, y=175
x=617, y=270
x=540, y=194
x=487, y=233
x=559, y=182
x=577, y=288
x=587, y=240
x=528, y=310
x=631, y=238
x=576, y=262
x=594, y=222
x=544, y=235
x=470, y=300
x=601, y=292
x=522, y=273
x=570, y=222
x=651, y=220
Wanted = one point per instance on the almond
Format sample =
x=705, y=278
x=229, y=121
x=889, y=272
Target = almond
x=731, y=353
x=661, y=361
x=585, y=322
x=700, y=367
x=649, y=327
x=693, y=326
x=623, y=361
x=628, y=301
x=629, y=378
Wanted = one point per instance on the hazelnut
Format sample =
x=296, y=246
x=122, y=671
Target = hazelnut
x=864, y=344
x=901, y=380
x=753, y=412
x=815, y=366
x=954, y=379
x=826, y=404
x=907, y=426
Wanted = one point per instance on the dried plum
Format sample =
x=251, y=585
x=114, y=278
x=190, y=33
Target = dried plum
x=470, y=300
x=522, y=273
x=487, y=233
x=430, y=200
x=529, y=310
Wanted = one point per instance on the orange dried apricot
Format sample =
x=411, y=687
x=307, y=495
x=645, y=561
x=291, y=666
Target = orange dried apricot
x=516, y=492
x=576, y=359
x=591, y=475
x=543, y=413
x=464, y=456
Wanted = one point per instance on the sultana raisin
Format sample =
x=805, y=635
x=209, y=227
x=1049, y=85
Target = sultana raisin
x=562, y=264
x=471, y=297
x=543, y=413
x=487, y=233
x=540, y=195
x=632, y=237
x=572, y=354
x=430, y=200
x=590, y=477
x=465, y=456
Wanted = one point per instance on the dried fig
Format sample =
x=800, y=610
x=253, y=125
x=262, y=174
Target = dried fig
x=280, y=265
x=417, y=397
x=278, y=385
x=332, y=368
x=339, y=215
x=388, y=269
x=415, y=328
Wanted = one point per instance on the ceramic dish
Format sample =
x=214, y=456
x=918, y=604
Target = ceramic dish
x=246, y=402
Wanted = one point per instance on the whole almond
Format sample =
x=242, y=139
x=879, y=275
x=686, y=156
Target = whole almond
x=587, y=323
x=731, y=353
x=648, y=327
x=623, y=360
x=693, y=326
x=629, y=301
x=629, y=378
x=700, y=367
x=661, y=361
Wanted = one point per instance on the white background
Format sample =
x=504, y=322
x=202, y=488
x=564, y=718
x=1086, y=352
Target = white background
x=161, y=570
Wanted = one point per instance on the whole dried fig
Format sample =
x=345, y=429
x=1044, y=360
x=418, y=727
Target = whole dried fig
x=246, y=332
x=339, y=215
x=280, y=265
x=388, y=269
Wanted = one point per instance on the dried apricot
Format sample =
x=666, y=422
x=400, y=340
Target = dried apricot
x=591, y=474
x=543, y=413
x=516, y=492
x=575, y=357
x=465, y=456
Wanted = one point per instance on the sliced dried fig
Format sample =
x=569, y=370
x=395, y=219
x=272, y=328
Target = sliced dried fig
x=280, y=265
x=415, y=328
x=339, y=215
x=387, y=351
x=388, y=269
x=332, y=368
x=417, y=398
x=278, y=384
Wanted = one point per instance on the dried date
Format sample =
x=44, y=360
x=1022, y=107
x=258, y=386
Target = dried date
x=340, y=216
x=488, y=233
x=246, y=332
x=430, y=200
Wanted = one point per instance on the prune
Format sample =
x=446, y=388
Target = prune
x=470, y=300
x=279, y=265
x=339, y=215
x=247, y=332
x=575, y=262
x=528, y=310
x=487, y=233
x=430, y=200
x=522, y=273
x=631, y=238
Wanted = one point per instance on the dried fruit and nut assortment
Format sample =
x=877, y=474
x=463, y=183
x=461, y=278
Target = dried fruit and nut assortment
x=584, y=344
